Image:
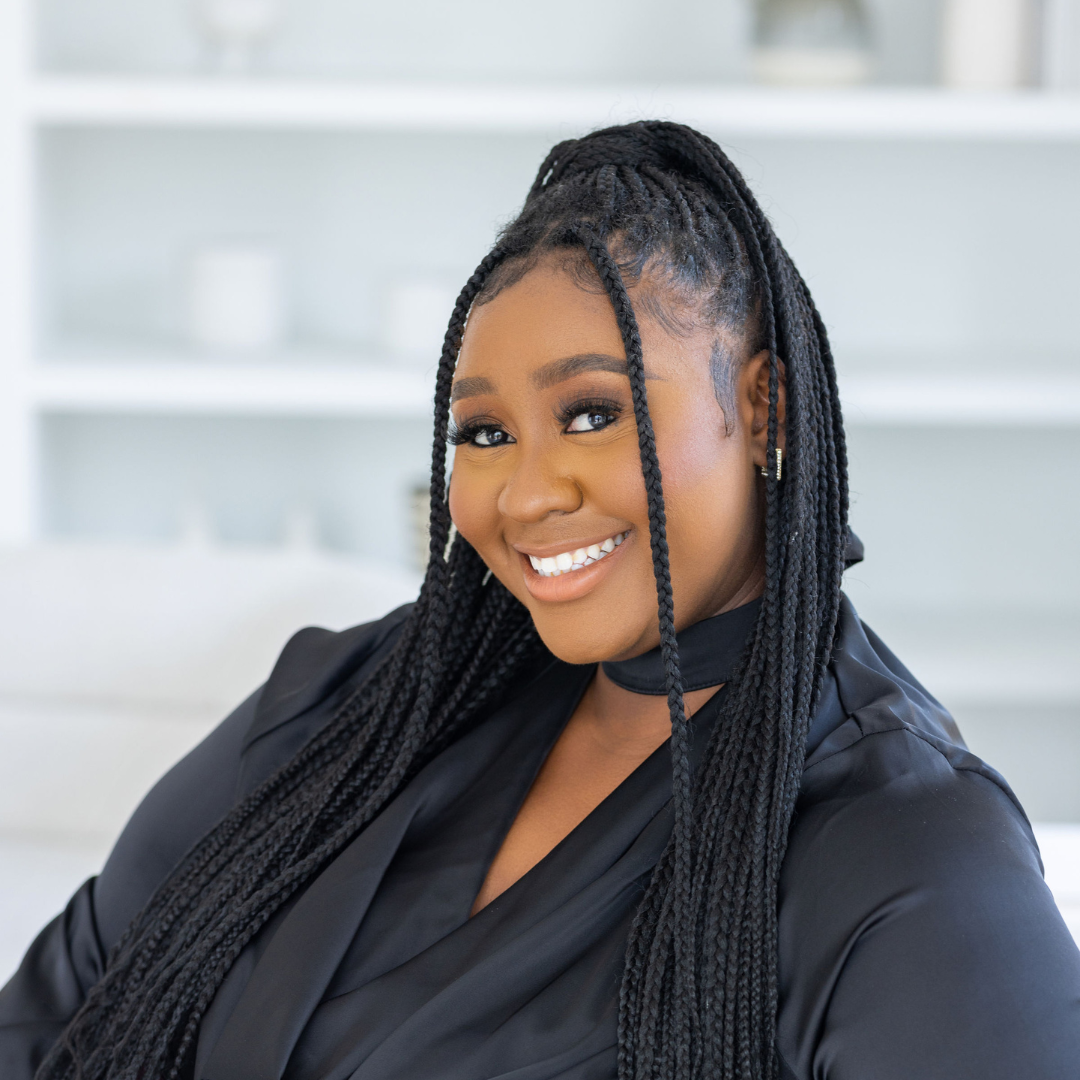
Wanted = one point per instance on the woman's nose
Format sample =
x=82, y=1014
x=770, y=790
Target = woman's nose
x=536, y=488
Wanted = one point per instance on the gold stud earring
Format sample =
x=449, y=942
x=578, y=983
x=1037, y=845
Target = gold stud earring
x=779, y=463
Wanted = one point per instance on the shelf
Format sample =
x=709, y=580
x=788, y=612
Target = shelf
x=976, y=400
x=235, y=389
x=977, y=657
x=733, y=110
x=263, y=389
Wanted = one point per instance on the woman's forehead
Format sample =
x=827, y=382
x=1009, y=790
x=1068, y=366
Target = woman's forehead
x=545, y=328
x=539, y=321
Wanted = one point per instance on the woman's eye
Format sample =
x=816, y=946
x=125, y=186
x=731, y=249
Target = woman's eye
x=590, y=420
x=490, y=437
x=478, y=432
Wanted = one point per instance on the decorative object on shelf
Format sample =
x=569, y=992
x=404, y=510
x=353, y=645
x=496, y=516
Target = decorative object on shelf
x=989, y=44
x=235, y=29
x=415, y=317
x=811, y=42
x=1060, y=67
x=236, y=297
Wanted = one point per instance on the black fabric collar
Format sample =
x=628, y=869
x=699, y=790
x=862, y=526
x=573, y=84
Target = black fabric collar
x=708, y=653
x=708, y=650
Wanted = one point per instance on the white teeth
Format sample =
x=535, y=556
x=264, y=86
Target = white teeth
x=568, y=561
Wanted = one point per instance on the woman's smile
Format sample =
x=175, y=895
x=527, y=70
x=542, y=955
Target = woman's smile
x=572, y=572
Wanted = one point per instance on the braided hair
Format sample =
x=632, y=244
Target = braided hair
x=648, y=201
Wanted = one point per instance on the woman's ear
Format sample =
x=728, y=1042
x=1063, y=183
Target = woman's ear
x=754, y=404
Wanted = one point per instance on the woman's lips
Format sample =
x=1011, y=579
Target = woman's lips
x=575, y=559
x=572, y=584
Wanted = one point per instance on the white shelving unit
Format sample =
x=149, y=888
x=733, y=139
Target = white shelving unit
x=32, y=104
x=230, y=389
x=731, y=111
x=960, y=401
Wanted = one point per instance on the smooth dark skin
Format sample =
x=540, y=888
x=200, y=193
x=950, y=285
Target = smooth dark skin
x=548, y=488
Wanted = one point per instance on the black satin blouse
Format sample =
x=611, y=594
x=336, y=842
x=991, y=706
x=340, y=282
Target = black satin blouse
x=917, y=938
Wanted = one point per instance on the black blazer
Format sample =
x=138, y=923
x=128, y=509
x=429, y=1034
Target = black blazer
x=917, y=938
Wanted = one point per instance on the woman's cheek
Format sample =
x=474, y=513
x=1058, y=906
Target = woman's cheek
x=473, y=510
x=613, y=483
x=706, y=488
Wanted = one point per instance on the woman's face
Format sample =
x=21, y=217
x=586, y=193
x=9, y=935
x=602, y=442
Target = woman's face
x=550, y=469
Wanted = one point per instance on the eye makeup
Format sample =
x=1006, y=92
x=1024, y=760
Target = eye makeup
x=569, y=410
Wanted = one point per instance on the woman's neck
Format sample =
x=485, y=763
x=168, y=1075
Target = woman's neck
x=628, y=723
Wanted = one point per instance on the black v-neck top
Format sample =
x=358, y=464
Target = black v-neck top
x=917, y=938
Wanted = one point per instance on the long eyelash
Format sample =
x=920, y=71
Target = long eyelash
x=569, y=409
x=457, y=436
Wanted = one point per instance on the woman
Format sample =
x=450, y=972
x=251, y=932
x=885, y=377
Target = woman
x=525, y=827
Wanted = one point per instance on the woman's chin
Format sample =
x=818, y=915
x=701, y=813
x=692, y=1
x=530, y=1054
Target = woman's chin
x=578, y=639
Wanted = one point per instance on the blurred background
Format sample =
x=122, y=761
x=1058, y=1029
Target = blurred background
x=230, y=236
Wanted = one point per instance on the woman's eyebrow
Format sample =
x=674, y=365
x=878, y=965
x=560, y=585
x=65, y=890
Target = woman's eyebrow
x=474, y=387
x=551, y=374
x=557, y=371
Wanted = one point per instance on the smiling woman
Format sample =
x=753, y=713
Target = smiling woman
x=630, y=790
x=548, y=465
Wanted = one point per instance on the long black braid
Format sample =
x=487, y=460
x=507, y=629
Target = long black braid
x=652, y=207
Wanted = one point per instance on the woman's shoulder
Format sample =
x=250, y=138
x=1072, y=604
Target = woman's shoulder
x=251, y=743
x=877, y=724
x=315, y=671
x=315, y=663
x=190, y=799
x=888, y=806
x=889, y=768
x=915, y=925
